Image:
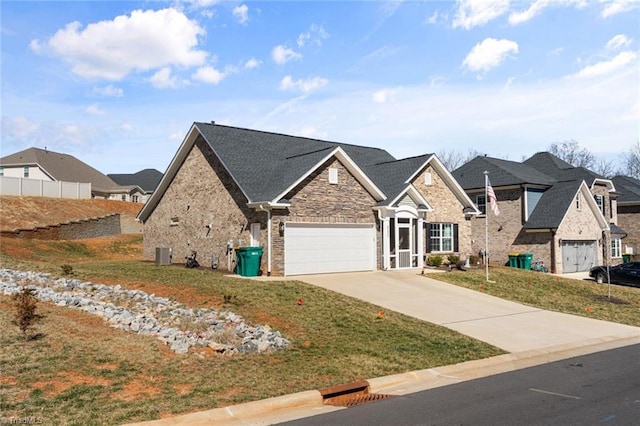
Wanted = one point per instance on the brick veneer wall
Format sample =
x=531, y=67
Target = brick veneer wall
x=202, y=193
x=629, y=220
x=316, y=200
x=446, y=208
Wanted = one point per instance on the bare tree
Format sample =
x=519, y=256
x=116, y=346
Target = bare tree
x=571, y=152
x=631, y=161
x=453, y=159
x=604, y=167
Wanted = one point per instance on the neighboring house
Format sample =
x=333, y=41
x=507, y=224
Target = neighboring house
x=628, y=203
x=147, y=180
x=314, y=206
x=563, y=215
x=43, y=164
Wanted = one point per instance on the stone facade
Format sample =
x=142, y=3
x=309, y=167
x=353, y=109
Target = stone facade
x=447, y=208
x=201, y=210
x=316, y=200
x=202, y=193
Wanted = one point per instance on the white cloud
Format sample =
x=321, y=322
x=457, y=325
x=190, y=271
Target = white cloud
x=241, y=13
x=614, y=7
x=607, y=67
x=618, y=41
x=109, y=91
x=534, y=10
x=488, y=54
x=281, y=55
x=163, y=79
x=209, y=75
x=126, y=128
x=18, y=128
x=433, y=19
x=142, y=41
x=473, y=13
x=383, y=96
x=252, y=63
x=557, y=51
x=316, y=35
x=94, y=109
x=305, y=86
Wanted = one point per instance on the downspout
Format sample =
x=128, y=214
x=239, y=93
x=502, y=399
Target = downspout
x=552, y=267
x=261, y=208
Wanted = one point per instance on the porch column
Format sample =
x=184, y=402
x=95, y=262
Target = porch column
x=386, y=247
x=420, y=242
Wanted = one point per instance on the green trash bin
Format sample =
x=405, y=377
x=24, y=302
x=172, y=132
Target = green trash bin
x=524, y=260
x=513, y=260
x=248, y=261
x=626, y=258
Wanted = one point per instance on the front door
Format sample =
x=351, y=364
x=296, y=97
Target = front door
x=405, y=243
x=404, y=249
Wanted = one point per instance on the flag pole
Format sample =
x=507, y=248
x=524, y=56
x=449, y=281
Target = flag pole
x=486, y=226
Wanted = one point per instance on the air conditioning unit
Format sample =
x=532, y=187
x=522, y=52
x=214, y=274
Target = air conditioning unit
x=163, y=255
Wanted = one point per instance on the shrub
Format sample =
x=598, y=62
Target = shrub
x=474, y=260
x=26, y=316
x=435, y=260
x=67, y=269
x=453, y=259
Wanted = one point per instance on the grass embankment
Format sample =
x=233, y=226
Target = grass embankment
x=80, y=371
x=554, y=293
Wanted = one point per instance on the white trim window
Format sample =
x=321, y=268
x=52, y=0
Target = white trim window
x=616, y=248
x=25, y=171
x=441, y=237
x=600, y=202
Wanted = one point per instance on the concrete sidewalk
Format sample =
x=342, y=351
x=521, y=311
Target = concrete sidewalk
x=532, y=336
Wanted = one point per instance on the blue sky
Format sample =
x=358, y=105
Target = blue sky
x=118, y=84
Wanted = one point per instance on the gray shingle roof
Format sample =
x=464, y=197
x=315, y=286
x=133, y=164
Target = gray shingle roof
x=501, y=173
x=553, y=205
x=391, y=176
x=60, y=167
x=147, y=179
x=265, y=164
x=551, y=165
x=627, y=188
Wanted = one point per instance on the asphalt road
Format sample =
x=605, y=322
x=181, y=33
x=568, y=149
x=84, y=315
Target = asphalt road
x=601, y=388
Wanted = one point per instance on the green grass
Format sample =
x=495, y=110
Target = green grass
x=551, y=292
x=82, y=372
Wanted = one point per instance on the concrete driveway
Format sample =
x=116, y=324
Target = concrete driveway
x=507, y=325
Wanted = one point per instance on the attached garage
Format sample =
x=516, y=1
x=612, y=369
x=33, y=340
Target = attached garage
x=315, y=248
x=578, y=256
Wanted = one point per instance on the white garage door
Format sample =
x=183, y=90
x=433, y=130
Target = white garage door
x=314, y=248
x=578, y=256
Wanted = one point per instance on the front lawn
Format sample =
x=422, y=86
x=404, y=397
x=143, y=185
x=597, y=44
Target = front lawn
x=78, y=370
x=554, y=293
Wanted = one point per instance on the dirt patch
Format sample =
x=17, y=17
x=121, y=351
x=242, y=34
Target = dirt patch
x=66, y=380
x=140, y=387
x=614, y=300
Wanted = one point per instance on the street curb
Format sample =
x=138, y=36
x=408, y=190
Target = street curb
x=310, y=403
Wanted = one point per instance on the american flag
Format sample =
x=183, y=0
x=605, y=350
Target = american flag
x=493, y=201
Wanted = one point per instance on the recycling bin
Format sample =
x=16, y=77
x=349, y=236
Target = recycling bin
x=248, y=261
x=524, y=260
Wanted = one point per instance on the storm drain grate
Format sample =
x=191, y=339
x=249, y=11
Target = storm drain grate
x=350, y=395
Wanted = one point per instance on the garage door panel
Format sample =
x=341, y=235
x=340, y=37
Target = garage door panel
x=578, y=256
x=322, y=248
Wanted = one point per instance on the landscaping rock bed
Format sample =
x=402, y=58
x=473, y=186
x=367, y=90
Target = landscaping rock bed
x=178, y=326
